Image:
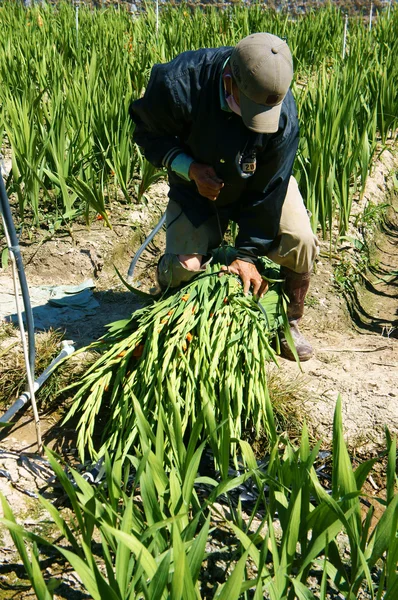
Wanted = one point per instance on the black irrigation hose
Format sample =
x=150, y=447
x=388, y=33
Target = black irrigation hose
x=140, y=250
x=16, y=250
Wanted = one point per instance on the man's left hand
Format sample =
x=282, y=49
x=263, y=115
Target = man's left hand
x=249, y=275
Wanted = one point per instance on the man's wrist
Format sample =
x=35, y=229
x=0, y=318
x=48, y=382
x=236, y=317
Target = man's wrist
x=246, y=256
x=249, y=257
x=191, y=170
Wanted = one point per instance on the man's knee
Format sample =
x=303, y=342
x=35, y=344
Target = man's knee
x=192, y=262
x=305, y=251
x=173, y=269
x=297, y=252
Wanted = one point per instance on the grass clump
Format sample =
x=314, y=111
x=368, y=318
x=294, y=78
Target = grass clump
x=13, y=381
x=12, y=365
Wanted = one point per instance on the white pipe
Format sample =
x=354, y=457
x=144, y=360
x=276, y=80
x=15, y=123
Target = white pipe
x=23, y=339
x=370, y=16
x=67, y=349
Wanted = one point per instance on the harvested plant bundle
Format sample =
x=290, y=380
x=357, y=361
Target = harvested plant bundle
x=197, y=352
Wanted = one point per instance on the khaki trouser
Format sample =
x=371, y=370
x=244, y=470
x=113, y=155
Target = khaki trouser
x=295, y=247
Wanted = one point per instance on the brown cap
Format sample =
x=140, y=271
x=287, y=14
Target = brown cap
x=262, y=68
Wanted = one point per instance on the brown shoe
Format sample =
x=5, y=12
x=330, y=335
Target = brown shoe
x=296, y=288
x=303, y=347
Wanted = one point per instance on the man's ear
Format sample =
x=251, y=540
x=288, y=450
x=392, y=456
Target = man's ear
x=227, y=80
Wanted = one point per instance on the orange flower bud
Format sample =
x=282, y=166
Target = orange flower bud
x=138, y=350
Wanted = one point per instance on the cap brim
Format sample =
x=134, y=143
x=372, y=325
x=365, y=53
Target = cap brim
x=258, y=117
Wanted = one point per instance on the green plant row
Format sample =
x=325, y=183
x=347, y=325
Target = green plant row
x=144, y=532
x=66, y=90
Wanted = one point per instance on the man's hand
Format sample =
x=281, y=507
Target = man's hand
x=207, y=182
x=249, y=276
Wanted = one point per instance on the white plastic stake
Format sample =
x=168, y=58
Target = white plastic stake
x=370, y=16
x=345, y=35
x=77, y=22
x=157, y=17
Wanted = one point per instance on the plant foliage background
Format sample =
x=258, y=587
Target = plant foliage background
x=67, y=82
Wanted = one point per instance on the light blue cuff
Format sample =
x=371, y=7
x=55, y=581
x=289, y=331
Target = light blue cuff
x=181, y=164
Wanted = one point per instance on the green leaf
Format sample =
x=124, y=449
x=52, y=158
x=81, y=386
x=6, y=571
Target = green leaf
x=4, y=258
x=157, y=588
x=302, y=592
x=139, y=550
x=88, y=575
x=60, y=523
x=362, y=471
x=343, y=479
x=16, y=536
x=291, y=534
x=392, y=591
x=247, y=543
x=178, y=580
x=38, y=583
x=123, y=555
x=384, y=532
x=137, y=292
x=197, y=553
x=391, y=466
x=232, y=588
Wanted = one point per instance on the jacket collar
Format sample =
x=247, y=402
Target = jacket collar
x=223, y=102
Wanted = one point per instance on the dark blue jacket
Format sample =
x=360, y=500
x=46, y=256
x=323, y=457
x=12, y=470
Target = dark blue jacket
x=181, y=112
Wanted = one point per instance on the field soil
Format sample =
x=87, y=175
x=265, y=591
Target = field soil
x=355, y=348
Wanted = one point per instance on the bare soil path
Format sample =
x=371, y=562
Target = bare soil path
x=356, y=342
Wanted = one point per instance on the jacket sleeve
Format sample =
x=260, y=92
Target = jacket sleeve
x=162, y=117
x=260, y=213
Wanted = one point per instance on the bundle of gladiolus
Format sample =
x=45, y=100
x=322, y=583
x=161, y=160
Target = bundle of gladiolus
x=200, y=350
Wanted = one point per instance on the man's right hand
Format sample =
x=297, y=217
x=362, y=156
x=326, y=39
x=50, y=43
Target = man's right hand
x=249, y=275
x=207, y=182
